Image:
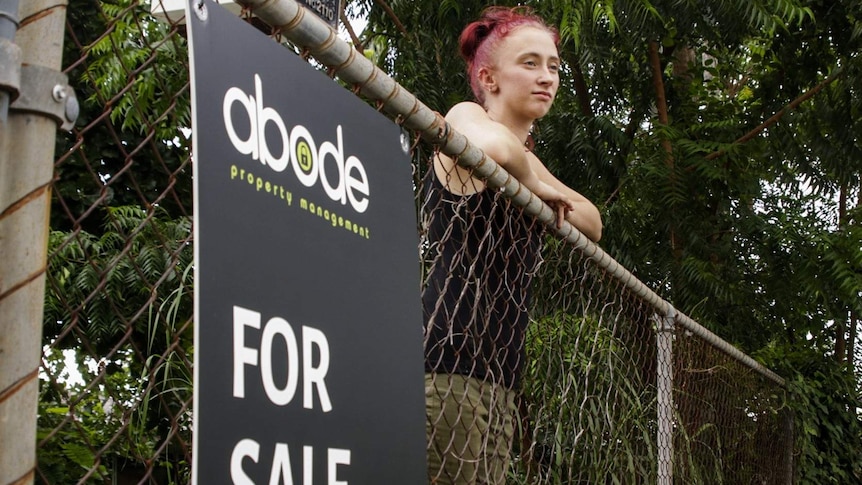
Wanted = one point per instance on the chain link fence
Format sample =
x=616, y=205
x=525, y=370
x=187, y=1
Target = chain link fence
x=609, y=384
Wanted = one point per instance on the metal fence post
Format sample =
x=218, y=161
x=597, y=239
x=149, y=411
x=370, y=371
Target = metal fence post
x=27, y=140
x=9, y=56
x=789, y=469
x=664, y=388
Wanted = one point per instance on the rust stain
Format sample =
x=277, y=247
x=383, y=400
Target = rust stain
x=26, y=479
x=40, y=15
x=23, y=283
x=17, y=385
x=33, y=195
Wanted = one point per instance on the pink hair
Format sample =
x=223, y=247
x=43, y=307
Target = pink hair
x=480, y=39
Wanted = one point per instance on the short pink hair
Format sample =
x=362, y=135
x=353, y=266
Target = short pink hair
x=480, y=39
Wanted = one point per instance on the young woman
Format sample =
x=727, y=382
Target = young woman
x=483, y=251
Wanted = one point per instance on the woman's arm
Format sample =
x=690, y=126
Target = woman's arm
x=499, y=143
x=495, y=139
x=585, y=216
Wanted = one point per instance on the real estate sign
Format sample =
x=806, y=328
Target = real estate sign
x=308, y=352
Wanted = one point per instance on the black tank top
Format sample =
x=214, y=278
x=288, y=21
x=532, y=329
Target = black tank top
x=480, y=254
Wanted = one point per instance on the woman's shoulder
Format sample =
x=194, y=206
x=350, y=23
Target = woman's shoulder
x=467, y=110
x=473, y=121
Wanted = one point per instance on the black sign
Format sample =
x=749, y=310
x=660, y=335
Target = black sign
x=328, y=10
x=308, y=350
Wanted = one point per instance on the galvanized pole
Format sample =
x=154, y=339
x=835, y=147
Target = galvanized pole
x=664, y=388
x=27, y=139
x=9, y=54
x=788, y=447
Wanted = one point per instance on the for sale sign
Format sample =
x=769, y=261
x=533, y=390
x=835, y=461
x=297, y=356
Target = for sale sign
x=308, y=352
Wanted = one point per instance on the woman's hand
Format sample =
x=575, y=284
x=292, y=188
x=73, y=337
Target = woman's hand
x=558, y=201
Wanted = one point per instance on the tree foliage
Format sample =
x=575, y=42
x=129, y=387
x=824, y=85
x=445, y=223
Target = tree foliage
x=721, y=141
x=121, y=302
x=118, y=307
x=130, y=73
x=104, y=287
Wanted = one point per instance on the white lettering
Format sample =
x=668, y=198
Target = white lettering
x=336, y=457
x=281, y=466
x=307, y=459
x=360, y=184
x=279, y=326
x=246, y=147
x=245, y=448
x=281, y=470
x=267, y=115
x=242, y=355
x=327, y=148
x=348, y=182
x=304, y=155
x=313, y=376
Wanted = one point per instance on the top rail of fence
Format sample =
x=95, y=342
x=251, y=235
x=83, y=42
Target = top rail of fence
x=307, y=31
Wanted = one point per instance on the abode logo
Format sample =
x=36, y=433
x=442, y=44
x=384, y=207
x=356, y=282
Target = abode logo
x=342, y=179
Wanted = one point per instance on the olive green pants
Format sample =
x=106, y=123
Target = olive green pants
x=470, y=426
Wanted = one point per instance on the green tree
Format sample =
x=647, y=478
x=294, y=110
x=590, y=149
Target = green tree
x=721, y=140
x=130, y=73
x=118, y=297
x=121, y=302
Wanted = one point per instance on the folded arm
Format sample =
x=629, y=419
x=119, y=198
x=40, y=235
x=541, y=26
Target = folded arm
x=585, y=216
x=499, y=143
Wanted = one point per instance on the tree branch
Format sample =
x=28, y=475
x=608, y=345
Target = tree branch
x=660, y=96
x=346, y=23
x=661, y=106
x=581, y=89
x=391, y=13
x=777, y=116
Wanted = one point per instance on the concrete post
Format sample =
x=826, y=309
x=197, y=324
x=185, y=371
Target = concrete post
x=27, y=142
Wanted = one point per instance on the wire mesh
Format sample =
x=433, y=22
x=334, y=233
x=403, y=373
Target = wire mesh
x=732, y=425
x=569, y=386
x=116, y=387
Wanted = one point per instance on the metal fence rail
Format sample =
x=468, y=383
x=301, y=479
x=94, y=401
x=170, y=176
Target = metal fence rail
x=619, y=386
